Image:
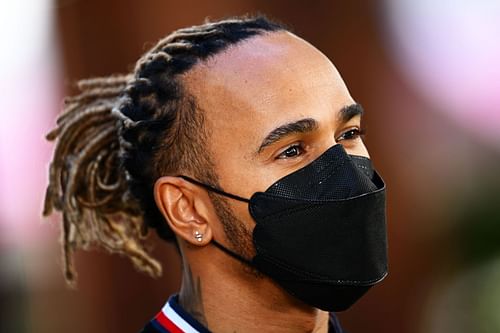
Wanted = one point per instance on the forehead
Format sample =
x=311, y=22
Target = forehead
x=261, y=83
x=262, y=70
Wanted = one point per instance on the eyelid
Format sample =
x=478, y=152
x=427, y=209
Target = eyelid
x=360, y=132
x=299, y=144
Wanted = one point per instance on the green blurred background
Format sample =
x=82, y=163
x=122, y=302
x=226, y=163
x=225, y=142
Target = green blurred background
x=428, y=76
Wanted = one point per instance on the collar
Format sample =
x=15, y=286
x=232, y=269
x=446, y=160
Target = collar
x=173, y=319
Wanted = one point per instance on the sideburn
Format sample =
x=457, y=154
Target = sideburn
x=239, y=237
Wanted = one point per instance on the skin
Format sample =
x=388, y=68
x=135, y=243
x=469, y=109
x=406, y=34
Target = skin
x=245, y=93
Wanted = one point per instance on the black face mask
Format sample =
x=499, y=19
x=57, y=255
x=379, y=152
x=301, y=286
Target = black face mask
x=320, y=231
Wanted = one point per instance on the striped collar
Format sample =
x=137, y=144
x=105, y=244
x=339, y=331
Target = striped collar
x=173, y=319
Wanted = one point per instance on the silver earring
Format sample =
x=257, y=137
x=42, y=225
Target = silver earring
x=198, y=235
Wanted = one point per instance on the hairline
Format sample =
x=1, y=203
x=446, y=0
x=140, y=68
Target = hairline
x=190, y=99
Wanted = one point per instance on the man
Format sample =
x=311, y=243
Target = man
x=240, y=142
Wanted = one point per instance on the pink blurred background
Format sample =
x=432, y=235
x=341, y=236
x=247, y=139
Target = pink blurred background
x=428, y=76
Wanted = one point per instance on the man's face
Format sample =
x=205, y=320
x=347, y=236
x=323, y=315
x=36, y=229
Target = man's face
x=272, y=104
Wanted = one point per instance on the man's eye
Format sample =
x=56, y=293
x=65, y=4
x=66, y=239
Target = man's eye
x=351, y=134
x=292, y=151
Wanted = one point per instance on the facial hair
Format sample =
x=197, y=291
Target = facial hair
x=236, y=233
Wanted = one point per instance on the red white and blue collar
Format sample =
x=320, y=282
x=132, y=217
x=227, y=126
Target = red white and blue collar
x=173, y=319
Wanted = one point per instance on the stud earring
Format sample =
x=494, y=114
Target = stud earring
x=198, y=235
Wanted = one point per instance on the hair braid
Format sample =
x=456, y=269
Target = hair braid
x=122, y=132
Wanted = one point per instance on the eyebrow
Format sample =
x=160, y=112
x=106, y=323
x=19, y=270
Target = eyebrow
x=350, y=111
x=307, y=125
x=301, y=126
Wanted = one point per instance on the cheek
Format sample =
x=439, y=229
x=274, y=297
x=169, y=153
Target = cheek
x=358, y=149
x=240, y=210
x=239, y=174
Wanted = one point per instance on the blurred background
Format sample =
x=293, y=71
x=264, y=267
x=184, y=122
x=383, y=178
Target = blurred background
x=428, y=75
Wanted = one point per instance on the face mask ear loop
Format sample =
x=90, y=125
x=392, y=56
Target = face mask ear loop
x=213, y=189
x=231, y=253
x=229, y=195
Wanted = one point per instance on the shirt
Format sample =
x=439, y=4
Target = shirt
x=174, y=319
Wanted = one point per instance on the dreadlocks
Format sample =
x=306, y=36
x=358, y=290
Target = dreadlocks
x=120, y=133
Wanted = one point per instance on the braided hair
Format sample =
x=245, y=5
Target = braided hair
x=122, y=132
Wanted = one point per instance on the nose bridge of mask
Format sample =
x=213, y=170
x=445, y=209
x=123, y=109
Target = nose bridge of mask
x=334, y=175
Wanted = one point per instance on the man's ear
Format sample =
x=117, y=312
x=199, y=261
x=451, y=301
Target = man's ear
x=185, y=207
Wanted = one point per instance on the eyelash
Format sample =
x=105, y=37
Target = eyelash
x=282, y=155
x=354, y=133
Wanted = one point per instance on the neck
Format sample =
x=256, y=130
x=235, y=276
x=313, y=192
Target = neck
x=226, y=297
